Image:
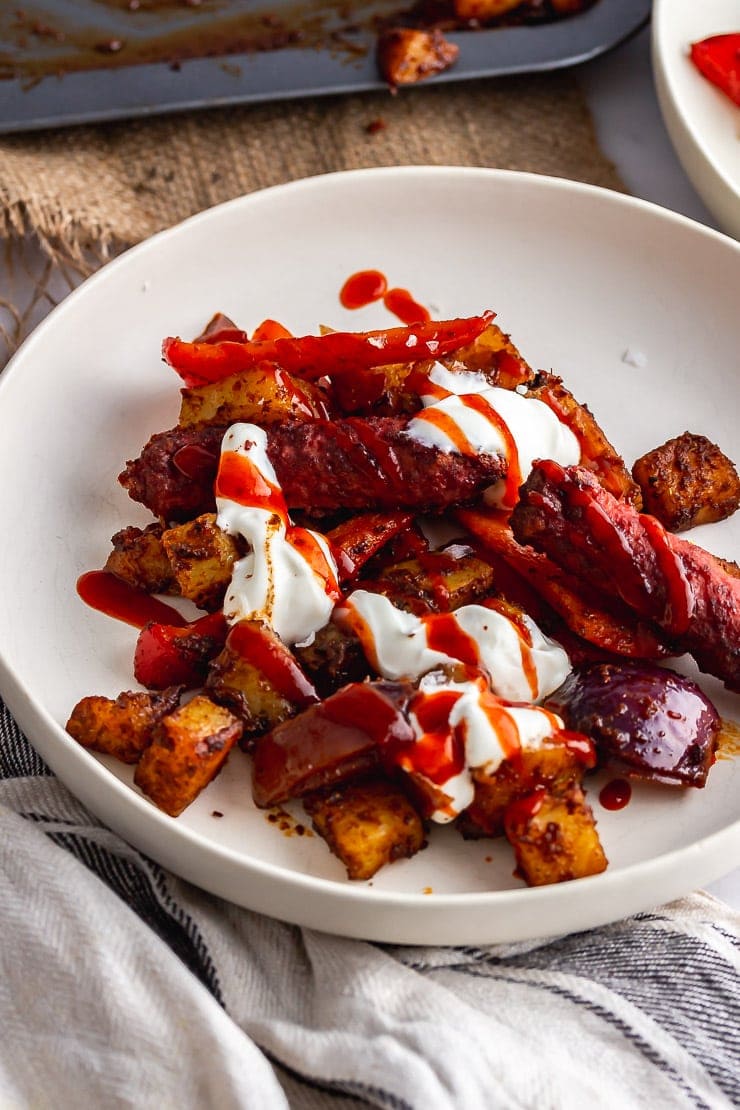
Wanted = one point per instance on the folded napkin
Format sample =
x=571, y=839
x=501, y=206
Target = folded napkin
x=123, y=986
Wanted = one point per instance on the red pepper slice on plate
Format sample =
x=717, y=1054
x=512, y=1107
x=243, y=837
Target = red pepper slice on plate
x=718, y=59
x=167, y=655
x=314, y=356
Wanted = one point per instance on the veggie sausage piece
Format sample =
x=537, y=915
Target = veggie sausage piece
x=321, y=465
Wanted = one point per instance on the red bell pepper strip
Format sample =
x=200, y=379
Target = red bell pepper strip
x=718, y=59
x=356, y=540
x=167, y=655
x=314, y=356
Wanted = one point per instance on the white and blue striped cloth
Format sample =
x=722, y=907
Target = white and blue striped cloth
x=123, y=986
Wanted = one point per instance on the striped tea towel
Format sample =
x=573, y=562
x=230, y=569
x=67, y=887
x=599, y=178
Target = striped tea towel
x=123, y=986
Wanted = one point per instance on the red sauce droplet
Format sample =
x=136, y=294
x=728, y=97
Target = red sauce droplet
x=616, y=794
x=363, y=288
x=108, y=594
x=273, y=660
x=271, y=329
x=402, y=304
x=239, y=480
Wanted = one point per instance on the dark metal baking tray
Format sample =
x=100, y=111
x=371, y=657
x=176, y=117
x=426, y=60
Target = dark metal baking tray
x=94, y=95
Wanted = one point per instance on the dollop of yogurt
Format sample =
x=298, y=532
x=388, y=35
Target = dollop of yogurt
x=484, y=733
x=463, y=413
x=288, y=579
x=522, y=663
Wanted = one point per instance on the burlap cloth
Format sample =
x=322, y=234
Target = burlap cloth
x=86, y=193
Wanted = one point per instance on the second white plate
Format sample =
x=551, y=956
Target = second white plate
x=703, y=123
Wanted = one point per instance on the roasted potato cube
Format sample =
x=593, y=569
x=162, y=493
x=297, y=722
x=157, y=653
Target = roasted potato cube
x=554, y=837
x=122, y=726
x=687, y=481
x=406, y=55
x=264, y=394
x=139, y=558
x=367, y=824
x=555, y=765
x=440, y=582
x=258, y=678
x=201, y=557
x=188, y=749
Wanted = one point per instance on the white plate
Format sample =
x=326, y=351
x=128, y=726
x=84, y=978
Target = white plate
x=579, y=276
x=703, y=123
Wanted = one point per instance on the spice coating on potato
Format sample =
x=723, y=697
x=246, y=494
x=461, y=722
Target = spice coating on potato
x=554, y=765
x=188, y=749
x=263, y=395
x=367, y=825
x=138, y=557
x=122, y=726
x=554, y=837
x=202, y=558
x=687, y=481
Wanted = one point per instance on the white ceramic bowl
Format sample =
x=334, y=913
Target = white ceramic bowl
x=703, y=123
x=580, y=277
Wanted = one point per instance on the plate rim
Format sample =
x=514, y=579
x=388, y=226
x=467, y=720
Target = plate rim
x=344, y=894
x=708, y=175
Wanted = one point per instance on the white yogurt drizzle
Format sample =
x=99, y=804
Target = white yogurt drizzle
x=531, y=429
x=274, y=582
x=397, y=644
x=486, y=728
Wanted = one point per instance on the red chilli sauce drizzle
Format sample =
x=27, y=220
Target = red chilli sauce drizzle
x=108, y=594
x=250, y=640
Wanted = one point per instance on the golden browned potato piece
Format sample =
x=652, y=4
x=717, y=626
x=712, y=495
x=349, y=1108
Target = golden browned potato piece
x=483, y=10
x=440, y=582
x=597, y=453
x=687, y=481
x=188, y=749
x=367, y=824
x=258, y=678
x=263, y=395
x=494, y=355
x=554, y=837
x=406, y=55
x=122, y=726
x=139, y=558
x=555, y=765
x=201, y=558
